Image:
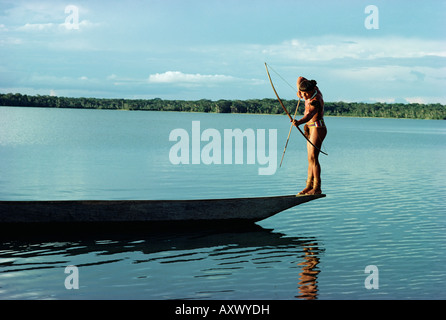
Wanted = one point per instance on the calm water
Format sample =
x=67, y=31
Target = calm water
x=385, y=186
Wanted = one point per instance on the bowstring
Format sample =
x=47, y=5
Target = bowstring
x=283, y=79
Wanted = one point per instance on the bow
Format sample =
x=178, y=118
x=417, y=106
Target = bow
x=288, y=114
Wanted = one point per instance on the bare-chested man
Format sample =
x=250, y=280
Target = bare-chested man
x=315, y=130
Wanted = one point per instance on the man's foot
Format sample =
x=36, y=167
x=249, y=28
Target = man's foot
x=314, y=191
x=305, y=191
x=308, y=187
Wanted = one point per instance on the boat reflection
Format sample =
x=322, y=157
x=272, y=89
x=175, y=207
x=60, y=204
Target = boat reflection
x=225, y=252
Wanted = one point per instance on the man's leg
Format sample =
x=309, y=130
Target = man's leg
x=317, y=136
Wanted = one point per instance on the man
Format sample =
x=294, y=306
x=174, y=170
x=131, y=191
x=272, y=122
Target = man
x=315, y=130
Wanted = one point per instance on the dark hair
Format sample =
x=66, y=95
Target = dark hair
x=307, y=85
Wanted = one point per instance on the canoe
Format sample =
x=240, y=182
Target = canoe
x=73, y=211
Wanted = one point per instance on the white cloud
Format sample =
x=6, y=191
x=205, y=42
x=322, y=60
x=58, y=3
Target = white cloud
x=336, y=47
x=82, y=25
x=419, y=99
x=383, y=100
x=10, y=41
x=426, y=100
x=178, y=77
x=391, y=73
x=376, y=74
x=416, y=100
x=38, y=27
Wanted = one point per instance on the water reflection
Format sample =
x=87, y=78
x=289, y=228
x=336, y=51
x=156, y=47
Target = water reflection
x=221, y=261
x=308, y=277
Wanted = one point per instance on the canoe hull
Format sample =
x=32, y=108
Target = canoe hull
x=246, y=209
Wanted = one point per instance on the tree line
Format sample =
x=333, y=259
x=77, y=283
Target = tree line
x=259, y=106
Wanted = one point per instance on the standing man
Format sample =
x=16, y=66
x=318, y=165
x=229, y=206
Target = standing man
x=315, y=130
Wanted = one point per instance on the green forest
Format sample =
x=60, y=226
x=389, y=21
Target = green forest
x=258, y=106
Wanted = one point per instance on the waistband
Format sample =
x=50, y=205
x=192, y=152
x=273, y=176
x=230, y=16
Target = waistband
x=317, y=124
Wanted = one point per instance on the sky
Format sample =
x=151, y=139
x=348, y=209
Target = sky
x=393, y=52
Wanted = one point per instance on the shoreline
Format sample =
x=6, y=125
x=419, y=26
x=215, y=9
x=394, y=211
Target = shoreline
x=265, y=106
x=201, y=112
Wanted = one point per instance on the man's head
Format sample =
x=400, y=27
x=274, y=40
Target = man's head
x=306, y=87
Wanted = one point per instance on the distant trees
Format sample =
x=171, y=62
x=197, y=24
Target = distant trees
x=383, y=110
x=263, y=106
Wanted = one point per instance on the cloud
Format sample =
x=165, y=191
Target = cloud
x=376, y=73
x=384, y=74
x=417, y=99
x=420, y=75
x=426, y=100
x=131, y=48
x=10, y=41
x=329, y=48
x=383, y=100
x=45, y=16
x=177, y=77
x=39, y=27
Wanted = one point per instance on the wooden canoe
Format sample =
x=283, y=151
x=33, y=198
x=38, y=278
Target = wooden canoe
x=241, y=209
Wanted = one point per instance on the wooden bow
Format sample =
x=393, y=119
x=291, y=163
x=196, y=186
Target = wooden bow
x=288, y=114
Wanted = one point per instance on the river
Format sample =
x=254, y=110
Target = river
x=379, y=233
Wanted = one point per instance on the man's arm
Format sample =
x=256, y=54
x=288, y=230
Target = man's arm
x=312, y=110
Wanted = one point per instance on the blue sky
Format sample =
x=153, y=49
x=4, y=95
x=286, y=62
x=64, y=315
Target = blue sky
x=216, y=49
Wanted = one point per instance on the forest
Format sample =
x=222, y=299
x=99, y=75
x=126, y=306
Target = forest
x=257, y=106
